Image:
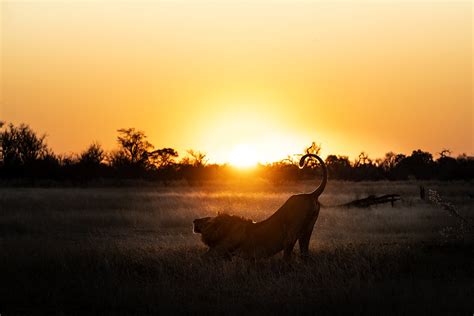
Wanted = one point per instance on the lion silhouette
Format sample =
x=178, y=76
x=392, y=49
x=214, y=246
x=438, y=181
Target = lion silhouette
x=228, y=235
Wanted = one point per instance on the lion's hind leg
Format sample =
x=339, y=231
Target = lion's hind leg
x=304, y=244
x=303, y=241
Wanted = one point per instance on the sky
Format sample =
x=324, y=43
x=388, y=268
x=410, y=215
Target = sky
x=260, y=78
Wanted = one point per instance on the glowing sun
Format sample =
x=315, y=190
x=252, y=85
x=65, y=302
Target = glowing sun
x=243, y=156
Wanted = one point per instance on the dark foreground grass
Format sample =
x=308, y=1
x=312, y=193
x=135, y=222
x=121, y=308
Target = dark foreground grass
x=131, y=251
x=85, y=278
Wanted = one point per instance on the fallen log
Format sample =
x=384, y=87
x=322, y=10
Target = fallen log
x=369, y=201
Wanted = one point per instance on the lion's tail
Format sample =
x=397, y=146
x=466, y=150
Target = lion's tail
x=322, y=185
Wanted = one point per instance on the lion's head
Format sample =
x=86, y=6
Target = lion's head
x=225, y=231
x=200, y=223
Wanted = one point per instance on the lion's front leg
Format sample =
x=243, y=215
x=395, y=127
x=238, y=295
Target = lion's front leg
x=218, y=253
x=288, y=250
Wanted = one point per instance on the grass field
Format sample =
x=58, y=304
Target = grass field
x=131, y=250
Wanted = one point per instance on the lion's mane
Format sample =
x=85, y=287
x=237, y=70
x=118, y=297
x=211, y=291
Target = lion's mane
x=224, y=231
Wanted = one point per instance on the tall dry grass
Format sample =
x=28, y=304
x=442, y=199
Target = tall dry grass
x=132, y=251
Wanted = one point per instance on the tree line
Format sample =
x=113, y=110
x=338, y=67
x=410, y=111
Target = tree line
x=26, y=155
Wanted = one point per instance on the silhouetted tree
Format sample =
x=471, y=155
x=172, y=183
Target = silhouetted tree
x=282, y=172
x=24, y=154
x=20, y=145
x=87, y=165
x=289, y=160
x=448, y=167
x=133, y=145
x=193, y=167
x=363, y=159
x=313, y=149
x=118, y=159
x=419, y=164
x=311, y=162
x=465, y=168
x=197, y=158
x=133, y=157
x=389, y=161
x=339, y=167
x=445, y=153
x=365, y=169
x=94, y=155
x=163, y=158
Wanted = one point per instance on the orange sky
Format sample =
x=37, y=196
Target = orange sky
x=213, y=76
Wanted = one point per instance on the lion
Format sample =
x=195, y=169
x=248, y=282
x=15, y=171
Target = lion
x=294, y=221
x=223, y=234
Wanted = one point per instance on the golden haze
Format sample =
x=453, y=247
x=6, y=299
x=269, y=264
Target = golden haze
x=269, y=77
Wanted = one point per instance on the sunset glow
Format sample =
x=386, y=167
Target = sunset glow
x=212, y=76
x=236, y=156
x=243, y=156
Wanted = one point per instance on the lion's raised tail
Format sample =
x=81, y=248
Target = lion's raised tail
x=319, y=190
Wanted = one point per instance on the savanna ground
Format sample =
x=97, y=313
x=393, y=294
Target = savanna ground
x=131, y=250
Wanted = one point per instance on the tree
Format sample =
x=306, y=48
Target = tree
x=288, y=161
x=20, y=146
x=419, y=164
x=339, y=167
x=25, y=154
x=134, y=148
x=423, y=157
x=389, y=161
x=197, y=159
x=163, y=158
x=118, y=159
x=445, y=153
x=313, y=149
x=446, y=165
x=133, y=158
x=363, y=159
x=333, y=160
x=93, y=155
